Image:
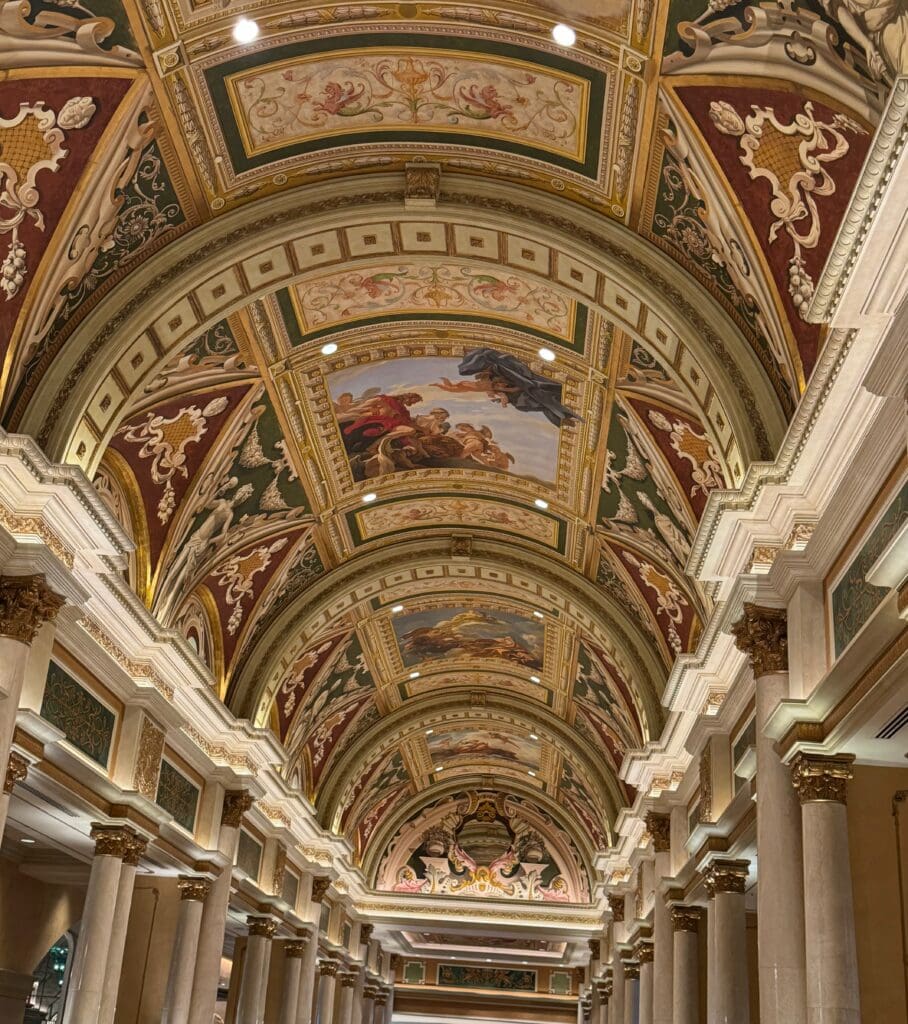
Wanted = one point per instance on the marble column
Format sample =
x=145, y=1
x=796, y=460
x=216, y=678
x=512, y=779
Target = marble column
x=193, y=893
x=26, y=603
x=725, y=883
x=89, y=966
x=381, y=1014
x=214, y=913
x=631, y=993
x=327, y=983
x=833, y=993
x=762, y=633
x=605, y=1001
x=645, y=954
x=119, y=928
x=686, y=968
x=659, y=827
x=308, y=975
x=251, y=1004
x=294, y=954
x=370, y=992
x=347, y=981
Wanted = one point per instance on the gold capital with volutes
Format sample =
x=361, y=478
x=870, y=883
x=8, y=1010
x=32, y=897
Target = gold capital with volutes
x=26, y=603
x=762, y=634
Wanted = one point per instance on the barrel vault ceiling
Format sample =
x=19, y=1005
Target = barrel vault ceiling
x=290, y=304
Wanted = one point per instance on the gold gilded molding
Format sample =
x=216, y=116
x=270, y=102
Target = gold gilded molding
x=26, y=603
x=686, y=919
x=726, y=876
x=112, y=840
x=659, y=827
x=148, y=762
x=762, y=634
x=136, y=669
x=705, y=811
x=19, y=524
x=822, y=778
x=236, y=804
x=264, y=927
x=16, y=771
x=196, y=889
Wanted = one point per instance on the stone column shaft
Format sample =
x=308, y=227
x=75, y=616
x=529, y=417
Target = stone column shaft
x=89, y=968
x=119, y=928
x=833, y=989
x=725, y=882
x=347, y=997
x=251, y=1004
x=294, y=954
x=308, y=976
x=645, y=953
x=327, y=984
x=762, y=633
x=193, y=892
x=631, y=994
x=686, y=969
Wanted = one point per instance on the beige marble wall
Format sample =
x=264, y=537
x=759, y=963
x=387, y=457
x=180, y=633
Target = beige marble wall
x=879, y=910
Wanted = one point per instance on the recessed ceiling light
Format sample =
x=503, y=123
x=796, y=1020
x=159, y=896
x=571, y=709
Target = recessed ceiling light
x=547, y=354
x=245, y=31
x=371, y=496
x=533, y=736
x=488, y=960
x=329, y=349
x=27, y=841
x=429, y=732
x=564, y=35
x=534, y=679
x=539, y=615
x=397, y=608
x=541, y=503
x=531, y=773
x=439, y=767
x=414, y=675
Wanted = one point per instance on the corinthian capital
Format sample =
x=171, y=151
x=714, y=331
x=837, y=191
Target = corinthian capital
x=659, y=827
x=26, y=603
x=819, y=778
x=762, y=634
x=236, y=803
x=16, y=771
x=616, y=905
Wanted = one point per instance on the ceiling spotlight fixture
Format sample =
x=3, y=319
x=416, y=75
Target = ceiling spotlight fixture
x=439, y=768
x=530, y=772
x=547, y=354
x=397, y=608
x=541, y=503
x=371, y=496
x=564, y=35
x=429, y=732
x=533, y=736
x=245, y=31
x=535, y=679
x=329, y=349
x=414, y=675
x=539, y=615
x=27, y=841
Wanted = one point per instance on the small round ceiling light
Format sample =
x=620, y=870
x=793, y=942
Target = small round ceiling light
x=535, y=679
x=531, y=772
x=397, y=608
x=533, y=736
x=27, y=841
x=245, y=31
x=541, y=503
x=370, y=497
x=414, y=675
x=439, y=767
x=329, y=349
x=429, y=732
x=547, y=354
x=538, y=615
x=564, y=35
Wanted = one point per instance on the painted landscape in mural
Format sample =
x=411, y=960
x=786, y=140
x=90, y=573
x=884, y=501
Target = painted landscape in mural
x=461, y=632
x=487, y=411
x=474, y=744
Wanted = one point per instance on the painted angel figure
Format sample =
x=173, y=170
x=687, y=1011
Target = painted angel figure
x=880, y=28
x=508, y=381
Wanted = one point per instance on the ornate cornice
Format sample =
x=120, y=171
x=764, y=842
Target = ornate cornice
x=26, y=603
x=320, y=886
x=236, y=804
x=686, y=919
x=822, y=778
x=295, y=950
x=264, y=927
x=762, y=634
x=616, y=905
x=659, y=827
x=195, y=889
x=726, y=876
x=112, y=840
x=16, y=771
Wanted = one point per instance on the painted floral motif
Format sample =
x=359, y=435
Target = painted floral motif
x=30, y=142
x=164, y=440
x=306, y=99
x=237, y=576
x=670, y=602
x=441, y=287
x=793, y=158
x=706, y=470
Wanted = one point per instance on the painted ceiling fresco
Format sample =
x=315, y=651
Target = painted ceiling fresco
x=409, y=346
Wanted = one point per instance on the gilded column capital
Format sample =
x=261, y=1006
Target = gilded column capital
x=112, y=840
x=726, y=876
x=395, y=961
x=370, y=992
x=616, y=905
x=659, y=827
x=261, y=926
x=192, y=888
x=296, y=950
x=328, y=968
x=365, y=933
x=382, y=998
x=645, y=951
x=762, y=634
x=595, y=948
x=632, y=972
x=607, y=988
x=236, y=804
x=822, y=778
x=135, y=851
x=348, y=979
x=26, y=603
x=686, y=919
x=16, y=771
x=320, y=886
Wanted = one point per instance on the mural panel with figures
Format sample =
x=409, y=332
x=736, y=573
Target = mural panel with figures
x=464, y=632
x=487, y=411
x=472, y=743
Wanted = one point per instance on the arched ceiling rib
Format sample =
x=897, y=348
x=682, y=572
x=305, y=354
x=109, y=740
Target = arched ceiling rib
x=247, y=287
